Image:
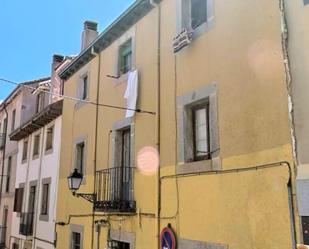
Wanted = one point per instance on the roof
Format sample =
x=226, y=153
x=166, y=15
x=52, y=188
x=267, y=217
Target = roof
x=18, y=87
x=48, y=114
x=132, y=15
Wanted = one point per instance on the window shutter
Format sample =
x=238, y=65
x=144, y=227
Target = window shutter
x=18, y=201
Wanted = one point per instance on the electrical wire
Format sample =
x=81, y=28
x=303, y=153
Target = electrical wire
x=76, y=99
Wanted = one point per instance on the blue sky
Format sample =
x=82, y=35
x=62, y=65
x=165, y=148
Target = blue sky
x=32, y=31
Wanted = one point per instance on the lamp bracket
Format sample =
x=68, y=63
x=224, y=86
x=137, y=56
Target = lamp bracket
x=89, y=197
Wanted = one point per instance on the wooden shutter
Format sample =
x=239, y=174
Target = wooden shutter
x=18, y=201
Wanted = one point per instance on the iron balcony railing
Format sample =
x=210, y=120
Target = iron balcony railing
x=2, y=140
x=3, y=230
x=114, y=190
x=26, y=224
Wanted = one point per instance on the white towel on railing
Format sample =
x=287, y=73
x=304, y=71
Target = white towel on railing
x=131, y=92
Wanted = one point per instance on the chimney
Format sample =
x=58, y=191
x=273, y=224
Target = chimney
x=89, y=33
x=55, y=81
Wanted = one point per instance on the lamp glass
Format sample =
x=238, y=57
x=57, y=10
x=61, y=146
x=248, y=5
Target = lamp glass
x=75, y=180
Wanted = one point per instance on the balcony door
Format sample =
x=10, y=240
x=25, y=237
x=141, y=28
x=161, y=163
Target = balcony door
x=125, y=165
x=31, y=205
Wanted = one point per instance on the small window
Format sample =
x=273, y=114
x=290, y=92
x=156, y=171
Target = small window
x=198, y=13
x=13, y=120
x=80, y=157
x=40, y=102
x=84, y=90
x=49, y=138
x=15, y=246
x=125, y=57
x=36, y=145
x=25, y=150
x=114, y=244
x=76, y=240
x=45, y=199
x=200, y=125
x=8, y=175
x=18, y=200
x=305, y=229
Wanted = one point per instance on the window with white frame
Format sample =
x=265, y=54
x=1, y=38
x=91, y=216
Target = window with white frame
x=49, y=138
x=195, y=15
x=125, y=57
x=76, y=240
x=197, y=127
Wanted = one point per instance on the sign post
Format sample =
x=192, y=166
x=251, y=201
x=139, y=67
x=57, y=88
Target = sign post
x=167, y=239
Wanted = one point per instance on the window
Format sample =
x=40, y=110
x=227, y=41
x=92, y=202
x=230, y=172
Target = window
x=15, y=245
x=125, y=57
x=198, y=13
x=114, y=244
x=31, y=203
x=13, y=120
x=197, y=130
x=40, y=102
x=49, y=138
x=76, y=240
x=8, y=175
x=80, y=157
x=306, y=2
x=25, y=150
x=200, y=125
x=305, y=228
x=45, y=199
x=5, y=123
x=84, y=93
x=36, y=145
x=18, y=200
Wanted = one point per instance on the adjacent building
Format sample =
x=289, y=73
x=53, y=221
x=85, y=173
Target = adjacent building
x=200, y=86
x=297, y=17
x=38, y=139
x=14, y=111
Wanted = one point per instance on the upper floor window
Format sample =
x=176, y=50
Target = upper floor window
x=40, y=101
x=80, y=157
x=125, y=57
x=36, y=145
x=45, y=199
x=306, y=2
x=198, y=12
x=49, y=138
x=25, y=150
x=84, y=87
x=18, y=200
x=8, y=175
x=13, y=120
x=76, y=241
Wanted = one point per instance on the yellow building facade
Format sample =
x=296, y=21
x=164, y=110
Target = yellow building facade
x=227, y=186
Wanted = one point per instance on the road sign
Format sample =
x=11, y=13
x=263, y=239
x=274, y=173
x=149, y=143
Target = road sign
x=167, y=239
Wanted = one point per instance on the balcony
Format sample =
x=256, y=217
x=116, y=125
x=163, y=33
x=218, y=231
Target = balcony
x=26, y=224
x=2, y=140
x=2, y=236
x=114, y=190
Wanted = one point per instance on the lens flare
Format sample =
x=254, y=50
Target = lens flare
x=148, y=160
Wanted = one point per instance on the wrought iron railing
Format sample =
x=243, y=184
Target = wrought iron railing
x=2, y=140
x=26, y=224
x=114, y=190
x=3, y=234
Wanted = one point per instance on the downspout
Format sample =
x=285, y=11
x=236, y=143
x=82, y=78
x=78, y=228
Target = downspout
x=95, y=141
x=36, y=210
x=158, y=128
x=288, y=77
x=4, y=147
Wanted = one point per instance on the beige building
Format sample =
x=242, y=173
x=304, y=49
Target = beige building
x=297, y=18
x=211, y=107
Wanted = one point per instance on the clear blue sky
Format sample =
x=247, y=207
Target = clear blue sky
x=32, y=31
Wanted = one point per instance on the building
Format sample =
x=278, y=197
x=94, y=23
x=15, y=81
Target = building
x=212, y=102
x=298, y=57
x=14, y=111
x=38, y=151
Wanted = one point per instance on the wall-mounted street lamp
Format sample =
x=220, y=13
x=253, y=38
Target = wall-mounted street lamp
x=74, y=181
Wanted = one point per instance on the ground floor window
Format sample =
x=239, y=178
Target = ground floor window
x=114, y=244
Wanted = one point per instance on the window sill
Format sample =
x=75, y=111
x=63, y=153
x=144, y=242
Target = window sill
x=123, y=78
x=44, y=217
x=199, y=166
x=80, y=104
x=48, y=152
x=34, y=157
x=204, y=28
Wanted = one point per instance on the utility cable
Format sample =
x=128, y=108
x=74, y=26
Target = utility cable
x=77, y=99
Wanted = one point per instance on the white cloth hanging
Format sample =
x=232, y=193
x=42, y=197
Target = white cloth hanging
x=131, y=93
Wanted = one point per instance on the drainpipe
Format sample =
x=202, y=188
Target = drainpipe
x=95, y=141
x=36, y=210
x=158, y=107
x=3, y=153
